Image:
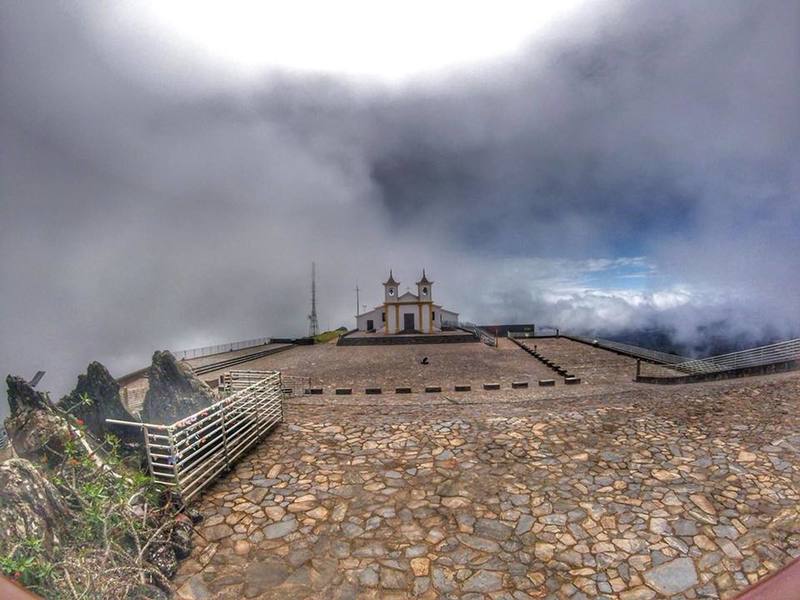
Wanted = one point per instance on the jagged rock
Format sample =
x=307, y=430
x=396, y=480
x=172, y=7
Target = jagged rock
x=161, y=554
x=31, y=506
x=175, y=392
x=36, y=432
x=149, y=592
x=21, y=396
x=194, y=514
x=103, y=391
x=181, y=536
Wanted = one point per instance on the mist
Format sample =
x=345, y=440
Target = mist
x=637, y=168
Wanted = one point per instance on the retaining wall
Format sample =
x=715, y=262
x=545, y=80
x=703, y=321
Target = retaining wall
x=390, y=340
x=789, y=365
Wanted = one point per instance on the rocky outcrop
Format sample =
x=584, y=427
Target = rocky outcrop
x=31, y=506
x=175, y=392
x=34, y=429
x=102, y=391
x=21, y=396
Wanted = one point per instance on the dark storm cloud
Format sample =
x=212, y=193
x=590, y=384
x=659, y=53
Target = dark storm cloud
x=144, y=209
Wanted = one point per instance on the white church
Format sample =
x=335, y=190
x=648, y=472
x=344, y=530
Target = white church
x=406, y=313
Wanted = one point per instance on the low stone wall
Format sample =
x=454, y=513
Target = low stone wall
x=389, y=340
x=789, y=365
x=502, y=330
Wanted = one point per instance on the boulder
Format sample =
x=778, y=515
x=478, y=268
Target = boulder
x=31, y=506
x=161, y=554
x=175, y=392
x=21, y=396
x=35, y=431
x=103, y=391
x=181, y=536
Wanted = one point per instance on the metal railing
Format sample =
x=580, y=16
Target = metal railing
x=483, y=335
x=219, y=348
x=637, y=351
x=239, y=379
x=754, y=357
x=521, y=334
x=295, y=385
x=189, y=454
x=292, y=385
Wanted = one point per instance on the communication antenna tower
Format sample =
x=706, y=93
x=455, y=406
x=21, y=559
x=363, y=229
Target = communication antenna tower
x=313, y=325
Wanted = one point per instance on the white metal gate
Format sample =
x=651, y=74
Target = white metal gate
x=189, y=454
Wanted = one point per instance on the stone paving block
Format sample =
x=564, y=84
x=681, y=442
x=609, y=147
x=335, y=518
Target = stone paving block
x=547, y=382
x=572, y=380
x=519, y=384
x=419, y=496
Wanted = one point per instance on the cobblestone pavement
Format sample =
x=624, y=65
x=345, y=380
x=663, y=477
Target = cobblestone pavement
x=593, y=365
x=684, y=491
x=333, y=366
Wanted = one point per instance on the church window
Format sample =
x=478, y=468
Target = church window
x=425, y=291
x=391, y=291
x=383, y=317
x=433, y=315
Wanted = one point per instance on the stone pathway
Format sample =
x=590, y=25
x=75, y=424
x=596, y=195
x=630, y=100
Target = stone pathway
x=684, y=492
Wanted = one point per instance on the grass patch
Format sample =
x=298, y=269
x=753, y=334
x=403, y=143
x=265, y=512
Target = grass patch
x=119, y=519
x=327, y=336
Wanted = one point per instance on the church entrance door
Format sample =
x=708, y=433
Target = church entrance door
x=408, y=322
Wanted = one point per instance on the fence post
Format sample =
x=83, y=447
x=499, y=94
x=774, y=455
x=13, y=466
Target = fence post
x=147, y=451
x=224, y=434
x=280, y=385
x=174, y=454
x=282, y=395
x=638, y=368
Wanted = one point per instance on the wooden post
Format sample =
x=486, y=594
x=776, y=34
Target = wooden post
x=638, y=368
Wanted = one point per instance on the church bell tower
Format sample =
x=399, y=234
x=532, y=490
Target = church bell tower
x=425, y=288
x=391, y=289
x=391, y=318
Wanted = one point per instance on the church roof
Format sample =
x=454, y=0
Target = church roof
x=424, y=280
x=391, y=280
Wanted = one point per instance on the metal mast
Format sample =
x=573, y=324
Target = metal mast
x=313, y=325
x=358, y=303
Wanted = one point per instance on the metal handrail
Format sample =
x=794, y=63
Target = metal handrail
x=763, y=355
x=483, y=335
x=237, y=379
x=638, y=351
x=219, y=348
x=189, y=454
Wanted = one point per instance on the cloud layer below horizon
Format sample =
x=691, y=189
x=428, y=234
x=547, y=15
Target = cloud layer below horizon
x=638, y=170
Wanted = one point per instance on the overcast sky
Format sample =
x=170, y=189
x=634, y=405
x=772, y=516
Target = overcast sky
x=167, y=177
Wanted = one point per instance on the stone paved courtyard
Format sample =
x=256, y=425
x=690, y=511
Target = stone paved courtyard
x=331, y=366
x=642, y=492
